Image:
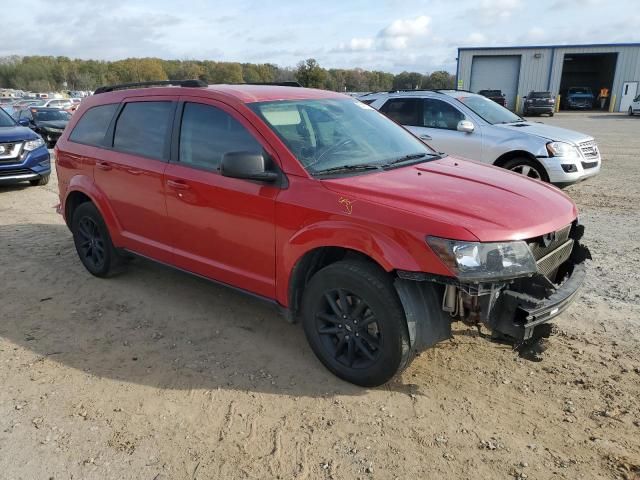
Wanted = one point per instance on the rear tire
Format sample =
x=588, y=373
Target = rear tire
x=93, y=242
x=527, y=167
x=630, y=111
x=43, y=180
x=551, y=114
x=355, y=324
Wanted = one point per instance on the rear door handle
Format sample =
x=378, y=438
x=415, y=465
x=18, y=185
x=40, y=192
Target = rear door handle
x=134, y=171
x=425, y=137
x=103, y=166
x=178, y=184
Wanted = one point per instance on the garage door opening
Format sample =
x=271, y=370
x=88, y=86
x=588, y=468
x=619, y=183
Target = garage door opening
x=497, y=73
x=584, y=76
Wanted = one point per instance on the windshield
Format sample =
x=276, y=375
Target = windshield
x=580, y=90
x=6, y=120
x=50, y=115
x=334, y=133
x=489, y=110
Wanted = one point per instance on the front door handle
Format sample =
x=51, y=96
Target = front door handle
x=178, y=184
x=103, y=166
x=425, y=137
x=134, y=171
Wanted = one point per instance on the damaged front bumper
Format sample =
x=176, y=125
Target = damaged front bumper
x=512, y=310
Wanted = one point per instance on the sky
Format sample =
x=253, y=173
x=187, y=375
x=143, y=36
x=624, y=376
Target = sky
x=388, y=35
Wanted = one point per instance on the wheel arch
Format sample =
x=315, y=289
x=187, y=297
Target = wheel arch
x=510, y=155
x=82, y=189
x=322, y=243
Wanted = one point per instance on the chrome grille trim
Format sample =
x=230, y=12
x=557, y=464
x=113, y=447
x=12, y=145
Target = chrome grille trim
x=12, y=150
x=540, y=251
x=589, y=149
x=548, y=264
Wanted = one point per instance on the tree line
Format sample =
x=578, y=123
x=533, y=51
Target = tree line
x=47, y=73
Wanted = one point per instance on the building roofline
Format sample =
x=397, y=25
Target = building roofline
x=532, y=47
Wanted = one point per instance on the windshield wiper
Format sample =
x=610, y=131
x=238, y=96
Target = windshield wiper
x=408, y=158
x=347, y=168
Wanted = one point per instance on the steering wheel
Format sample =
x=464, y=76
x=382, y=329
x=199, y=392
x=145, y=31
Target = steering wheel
x=331, y=148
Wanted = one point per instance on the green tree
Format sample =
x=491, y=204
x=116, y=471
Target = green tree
x=310, y=74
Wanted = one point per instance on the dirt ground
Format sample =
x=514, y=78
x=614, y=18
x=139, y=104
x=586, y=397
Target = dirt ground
x=156, y=374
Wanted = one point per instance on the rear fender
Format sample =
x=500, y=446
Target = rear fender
x=86, y=185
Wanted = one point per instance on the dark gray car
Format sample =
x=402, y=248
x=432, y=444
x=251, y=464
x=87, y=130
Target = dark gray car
x=537, y=103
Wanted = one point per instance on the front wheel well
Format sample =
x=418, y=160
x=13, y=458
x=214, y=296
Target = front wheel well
x=73, y=201
x=505, y=157
x=309, y=264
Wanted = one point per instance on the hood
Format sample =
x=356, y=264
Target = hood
x=53, y=124
x=491, y=203
x=547, y=131
x=16, y=134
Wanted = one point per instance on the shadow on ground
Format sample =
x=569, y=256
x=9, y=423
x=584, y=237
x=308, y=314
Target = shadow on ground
x=151, y=324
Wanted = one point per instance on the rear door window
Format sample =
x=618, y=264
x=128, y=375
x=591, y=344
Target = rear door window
x=93, y=125
x=405, y=111
x=143, y=129
x=207, y=133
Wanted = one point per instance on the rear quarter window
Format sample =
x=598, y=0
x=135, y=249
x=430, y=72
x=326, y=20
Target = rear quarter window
x=93, y=125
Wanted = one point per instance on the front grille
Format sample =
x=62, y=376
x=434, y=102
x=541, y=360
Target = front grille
x=589, y=149
x=587, y=165
x=17, y=171
x=548, y=265
x=539, y=250
x=10, y=151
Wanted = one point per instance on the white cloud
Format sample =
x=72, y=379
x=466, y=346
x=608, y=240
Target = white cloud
x=356, y=45
x=396, y=36
x=476, y=38
x=407, y=28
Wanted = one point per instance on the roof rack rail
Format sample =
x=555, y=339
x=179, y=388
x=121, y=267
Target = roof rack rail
x=155, y=83
x=274, y=84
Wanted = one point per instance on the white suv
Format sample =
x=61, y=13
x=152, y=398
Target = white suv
x=472, y=126
x=635, y=106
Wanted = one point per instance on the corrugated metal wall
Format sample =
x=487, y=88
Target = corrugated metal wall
x=541, y=68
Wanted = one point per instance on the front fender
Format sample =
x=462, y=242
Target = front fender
x=86, y=185
x=375, y=244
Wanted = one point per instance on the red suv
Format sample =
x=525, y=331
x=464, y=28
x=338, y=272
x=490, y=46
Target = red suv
x=318, y=203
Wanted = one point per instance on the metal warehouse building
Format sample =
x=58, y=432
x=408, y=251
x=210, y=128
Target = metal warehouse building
x=518, y=70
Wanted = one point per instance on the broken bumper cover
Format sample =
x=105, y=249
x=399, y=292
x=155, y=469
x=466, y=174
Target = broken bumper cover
x=517, y=315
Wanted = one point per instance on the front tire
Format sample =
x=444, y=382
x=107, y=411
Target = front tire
x=43, y=180
x=93, y=242
x=355, y=324
x=630, y=111
x=527, y=167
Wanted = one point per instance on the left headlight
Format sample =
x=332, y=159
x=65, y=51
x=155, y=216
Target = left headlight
x=33, y=144
x=478, y=261
x=562, y=149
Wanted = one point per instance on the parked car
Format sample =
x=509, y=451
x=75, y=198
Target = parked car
x=495, y=95
x=471, y=126
x=635, y=106
x=578, y=98
x=318, y=203
x=23, y=154
x=21, y=104
x=537, y=103
x=48, y=122
x=58, y=103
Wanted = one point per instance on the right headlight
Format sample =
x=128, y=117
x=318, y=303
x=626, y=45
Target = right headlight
x=562, y=149
x=479, y=261
x=33, y=144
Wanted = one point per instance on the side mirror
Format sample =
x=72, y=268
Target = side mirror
x=24, y=122
x=247, y=165
x=466, y=126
